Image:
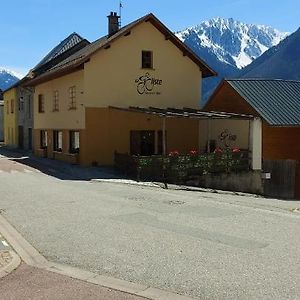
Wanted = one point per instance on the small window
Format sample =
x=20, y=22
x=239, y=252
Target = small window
x=21, y=104
x=44, y=139
x=74, y=142
x=12, y=106
x=147, y=59
x=57, y=141
x=55, y=101
x=72, y=96
x=41, y=103
x=7, y=107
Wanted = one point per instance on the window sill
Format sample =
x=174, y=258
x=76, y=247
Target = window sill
x=72, y=154
x=57, y=152
x=72, y=108
x=149, y=69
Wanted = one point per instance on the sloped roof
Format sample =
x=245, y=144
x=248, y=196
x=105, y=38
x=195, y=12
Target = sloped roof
x=276, y=101
x=74, y=61
x=68, y=43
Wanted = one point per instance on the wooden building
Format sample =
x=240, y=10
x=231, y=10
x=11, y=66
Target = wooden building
x=277, y=102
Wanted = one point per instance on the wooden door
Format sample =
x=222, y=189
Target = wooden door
x=21, y=137
x=283, y=178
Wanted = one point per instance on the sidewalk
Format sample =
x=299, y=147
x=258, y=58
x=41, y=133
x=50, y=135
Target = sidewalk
x=31, y=283
x=9, y=261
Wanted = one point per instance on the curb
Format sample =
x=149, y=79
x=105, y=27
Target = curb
x=33, y=258
x=15, y=262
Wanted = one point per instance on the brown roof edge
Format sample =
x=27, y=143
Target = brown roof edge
x=50, y=76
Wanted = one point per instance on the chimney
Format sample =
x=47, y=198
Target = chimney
x=113, y=23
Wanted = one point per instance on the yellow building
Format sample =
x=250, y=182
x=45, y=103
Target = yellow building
x=140, y=65
x=10, y=117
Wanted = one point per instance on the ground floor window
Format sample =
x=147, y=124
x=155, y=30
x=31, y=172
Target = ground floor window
x=57, y=140
x=74, y=142
x=43, y=139
x=146, y=142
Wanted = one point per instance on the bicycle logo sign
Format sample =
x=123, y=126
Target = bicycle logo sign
x=146, y=84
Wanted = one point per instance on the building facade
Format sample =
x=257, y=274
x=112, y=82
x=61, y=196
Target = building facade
x=18, y=99
x=142, y=64
x=10, y=118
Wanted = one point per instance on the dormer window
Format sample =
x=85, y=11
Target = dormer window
x=147, y=59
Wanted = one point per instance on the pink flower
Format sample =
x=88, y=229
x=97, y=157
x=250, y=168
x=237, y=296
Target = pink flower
x=218, y=150
x=174, y=153
x=193, y=152
x=236, y=150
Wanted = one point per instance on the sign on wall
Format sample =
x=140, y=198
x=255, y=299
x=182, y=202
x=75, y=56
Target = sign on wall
x=148, y=85
x=227, y=138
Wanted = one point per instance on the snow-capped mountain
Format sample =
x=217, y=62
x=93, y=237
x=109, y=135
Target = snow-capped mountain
x=228, y=45
x=233, y=42
x=7, y=78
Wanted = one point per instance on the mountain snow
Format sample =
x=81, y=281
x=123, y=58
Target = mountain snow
x=7, y=78
x=232, y=42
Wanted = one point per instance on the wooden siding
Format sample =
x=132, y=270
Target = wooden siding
x=228, y=100
x=278, y=142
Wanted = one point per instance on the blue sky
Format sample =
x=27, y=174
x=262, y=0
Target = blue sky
x=30, y=28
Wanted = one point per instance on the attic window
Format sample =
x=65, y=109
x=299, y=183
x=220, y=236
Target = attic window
x=147, y=59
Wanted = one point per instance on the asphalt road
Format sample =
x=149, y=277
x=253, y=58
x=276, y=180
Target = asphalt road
x=206, y=245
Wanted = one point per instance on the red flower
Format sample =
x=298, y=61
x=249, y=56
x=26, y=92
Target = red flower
x=174, y=153
x=193, y=152
x=236, y=150
x=218, y=150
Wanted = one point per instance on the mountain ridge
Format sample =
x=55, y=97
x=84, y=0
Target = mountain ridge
x=7, y=78
x=228, y=45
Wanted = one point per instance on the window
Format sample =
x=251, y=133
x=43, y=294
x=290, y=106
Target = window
x=57, y=141
x=74, y=142
x=21, y=104
x=7, y=107
x=44, y=139
x=147, y=59
x=41, y=103
x=72, y=96
x=55, y=101
x=12, y=106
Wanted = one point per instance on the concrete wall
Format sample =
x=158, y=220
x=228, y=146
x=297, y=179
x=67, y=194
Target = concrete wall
x=247, y=182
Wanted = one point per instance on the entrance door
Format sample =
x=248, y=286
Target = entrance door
x=30, y=139
x=21, y=137
x=142, y=142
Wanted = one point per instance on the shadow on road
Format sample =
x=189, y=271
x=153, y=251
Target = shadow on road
x=59, y=169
